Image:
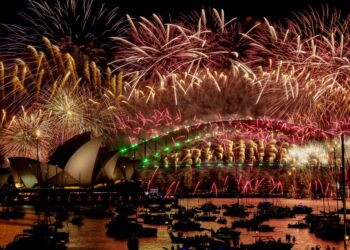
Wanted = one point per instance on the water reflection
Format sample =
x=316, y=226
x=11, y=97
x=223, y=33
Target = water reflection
x=92, y=235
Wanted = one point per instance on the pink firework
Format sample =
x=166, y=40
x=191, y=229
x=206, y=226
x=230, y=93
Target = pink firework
x=157, y=52
x=301, y=77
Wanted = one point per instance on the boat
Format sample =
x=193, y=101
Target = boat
x=28, y=241
x=159, y=219
x=77, y=220
x=267, y=243
x=299, y=224
x=225, y=233
x=42, y=236
x=13, y=212
x=244, y=223
x=46, y=230
x=276, y=212
x=330, y=231
x=184, y=214
x=221, y=220
x=188, y=225
x=208, y=207
x=159, y=209
x=302, y=209
x=198, y=241
x=205, y=217
x=264, y=205
x=262, y=228
x=236, y=210
x=122, y=228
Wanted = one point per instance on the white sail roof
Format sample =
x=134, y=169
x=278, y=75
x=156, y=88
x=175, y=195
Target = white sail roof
x=82, y=163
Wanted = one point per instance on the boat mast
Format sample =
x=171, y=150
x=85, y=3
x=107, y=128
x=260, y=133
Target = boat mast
x=336, y=176
x=343, y=187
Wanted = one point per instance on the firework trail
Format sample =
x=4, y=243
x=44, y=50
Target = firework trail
x=305, y=79
x=20, y=138
x=224, y=42
x=156, y=52
x=24, y=83
x=77, y=112
x=319, y=22
x=212, y=93
x=81, y=28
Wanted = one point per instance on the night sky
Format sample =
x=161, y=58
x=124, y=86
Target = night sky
x=256, y=8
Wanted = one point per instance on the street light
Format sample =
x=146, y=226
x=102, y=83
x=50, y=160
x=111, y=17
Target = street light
x=37, y=136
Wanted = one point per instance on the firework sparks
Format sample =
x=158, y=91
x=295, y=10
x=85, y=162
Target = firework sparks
x=20, y=138
x=156, y=51
x=81, y=28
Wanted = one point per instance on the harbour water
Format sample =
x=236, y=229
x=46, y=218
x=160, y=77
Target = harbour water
x=92, y=234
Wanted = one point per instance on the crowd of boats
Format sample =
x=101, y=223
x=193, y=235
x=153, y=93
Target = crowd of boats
x=131, y=223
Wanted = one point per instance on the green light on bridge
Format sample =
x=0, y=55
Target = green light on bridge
x=209, y=164
x=123, y=150
x=156, y=155
x=261, y=164
x=134, y=145
x=155, y=137
x=229, y=164
x=187, y=165
x=177, y=145
x=219, y=164
x=198, y=165
x=167, y=149
x=145, y=161
x=188, y=140
x=239, y=164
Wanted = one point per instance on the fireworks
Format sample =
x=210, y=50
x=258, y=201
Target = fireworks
x=24, y=82
x=319, y=22
x=155, y=53
x=313, y=153
x=271, y=85
x=23, y=133
x=301, y=77
x=212, y=93
x=81, y=28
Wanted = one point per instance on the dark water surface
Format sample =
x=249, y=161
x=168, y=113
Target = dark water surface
x=92, y=235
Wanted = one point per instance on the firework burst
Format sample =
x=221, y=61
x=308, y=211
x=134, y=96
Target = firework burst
x=322, y=21
x=81, y=28
x=23, y=83
x=78, y=111
x=304, y=79
x=224, y=40
x=156, y=52
x=22, y=134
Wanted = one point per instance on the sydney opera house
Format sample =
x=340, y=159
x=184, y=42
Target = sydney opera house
x=78, y=162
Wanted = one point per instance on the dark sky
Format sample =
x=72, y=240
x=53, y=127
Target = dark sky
x=255, y=8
